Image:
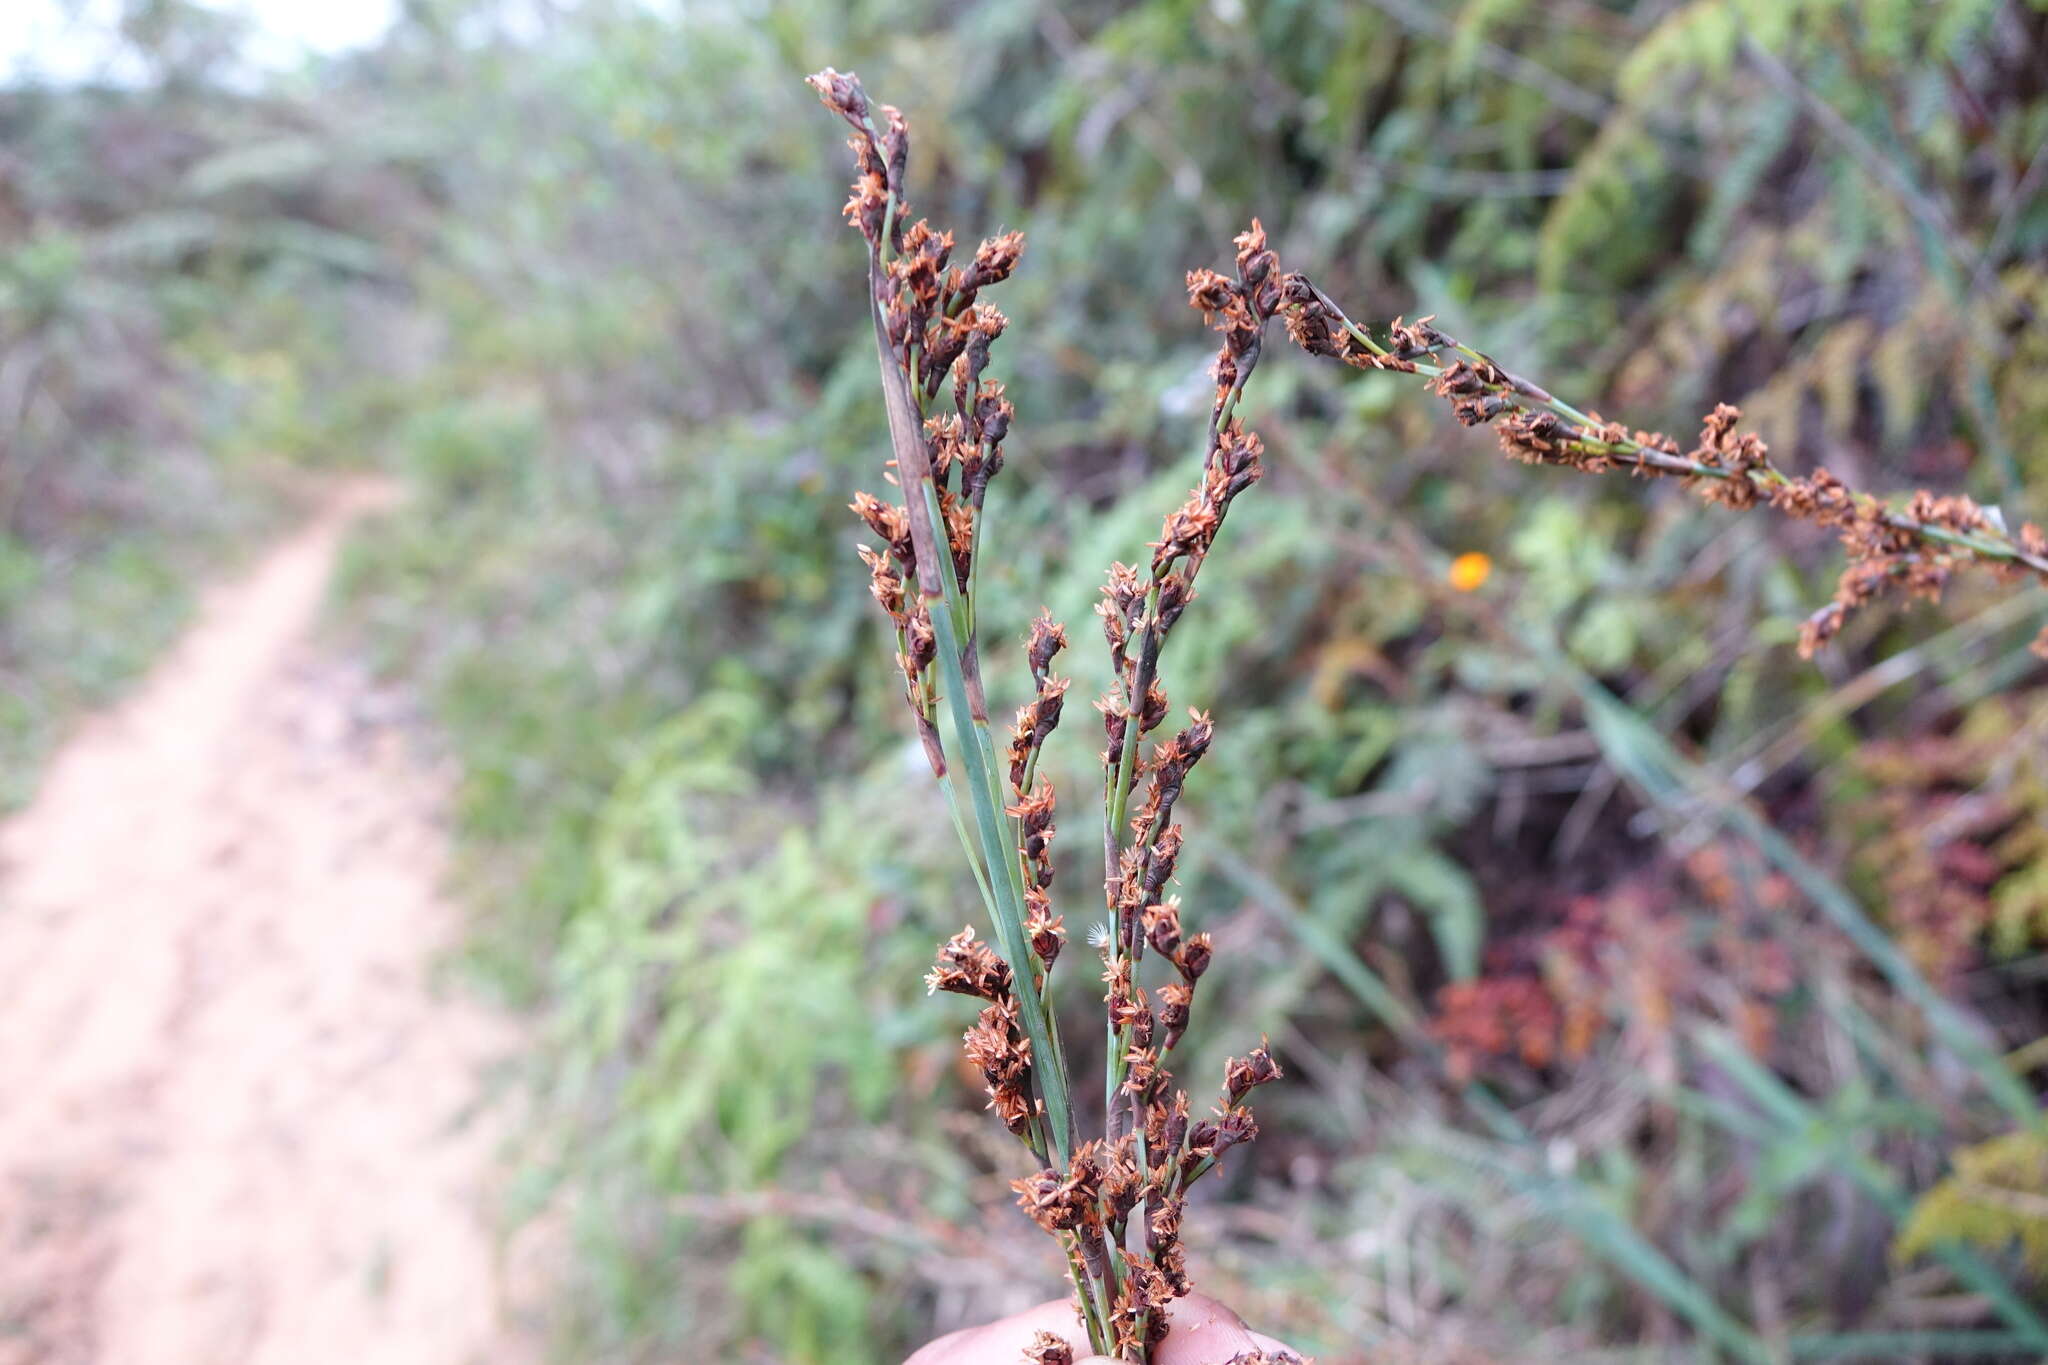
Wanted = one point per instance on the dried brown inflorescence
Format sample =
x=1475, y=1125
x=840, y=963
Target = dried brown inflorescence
x=1115, y=1203
x=1047, y=1349
x=936, y=334
x=996, y=1046
x=1914, y=550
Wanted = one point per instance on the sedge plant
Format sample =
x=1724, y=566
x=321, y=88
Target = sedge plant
x=1113, y=1200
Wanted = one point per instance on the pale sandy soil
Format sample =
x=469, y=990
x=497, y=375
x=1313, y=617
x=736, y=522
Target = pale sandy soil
x=242, y=1112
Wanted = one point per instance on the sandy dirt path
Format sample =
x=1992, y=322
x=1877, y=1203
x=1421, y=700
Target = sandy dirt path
x=239, y=1106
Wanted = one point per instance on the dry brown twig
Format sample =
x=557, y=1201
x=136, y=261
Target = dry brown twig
x=1914, y=550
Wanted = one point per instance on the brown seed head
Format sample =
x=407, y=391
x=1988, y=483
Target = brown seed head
x=992, y=412
x=922, y=645
x=1048, y=638
x=1235, y=1127
x=1141, y=1072
x=1175, y=1000
x=1162, y=926
x=993, y=261
x=842, y=94
x=1014, y=1108
x=1176, y=1122
x=1210, y=292
x=1163, y=1227
x=885, y=583
x=1255, y=261
x=1048, y=932
x=1126, y=1006
x=890, y=522
x=896, y=157
x=1173, y=1264
x=1035, y=811
x=1242, y=1075
x=1036, y=720
x=1410, y=341
x=967, y=966
x=1060, y=1203
x=1122, y=1182
x=867, y=205
x=1159, y=864
x=1002, y=1059
x=1047, y=1349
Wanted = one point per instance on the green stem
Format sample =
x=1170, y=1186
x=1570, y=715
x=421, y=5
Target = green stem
x=942, y=600
x=1110, y=1079
x=988, y=895
x=1093, y=1317
x=978, y=757
x=1134, y=706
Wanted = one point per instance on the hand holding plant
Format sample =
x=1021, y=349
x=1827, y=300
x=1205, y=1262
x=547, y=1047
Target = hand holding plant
x=1201, y=1332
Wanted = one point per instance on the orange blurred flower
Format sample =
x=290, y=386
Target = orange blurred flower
x=1469, y=571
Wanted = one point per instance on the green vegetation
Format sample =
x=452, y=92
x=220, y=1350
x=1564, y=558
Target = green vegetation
x=1558, y=897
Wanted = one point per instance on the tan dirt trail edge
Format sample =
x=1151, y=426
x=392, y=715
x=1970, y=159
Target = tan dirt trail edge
x=241, y=1117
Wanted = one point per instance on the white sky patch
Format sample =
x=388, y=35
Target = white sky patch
x=71, y=40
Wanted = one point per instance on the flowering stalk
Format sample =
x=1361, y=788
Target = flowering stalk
x=1914, y=550
x=927, y=326
x=1113, y=1203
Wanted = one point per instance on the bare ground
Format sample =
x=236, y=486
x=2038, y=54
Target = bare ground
x=241, y=1112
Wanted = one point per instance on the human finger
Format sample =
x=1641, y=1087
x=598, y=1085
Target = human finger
x=1002, y=1342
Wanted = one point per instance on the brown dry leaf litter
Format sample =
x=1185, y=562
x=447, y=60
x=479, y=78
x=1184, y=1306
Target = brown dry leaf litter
x=241, y=1115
